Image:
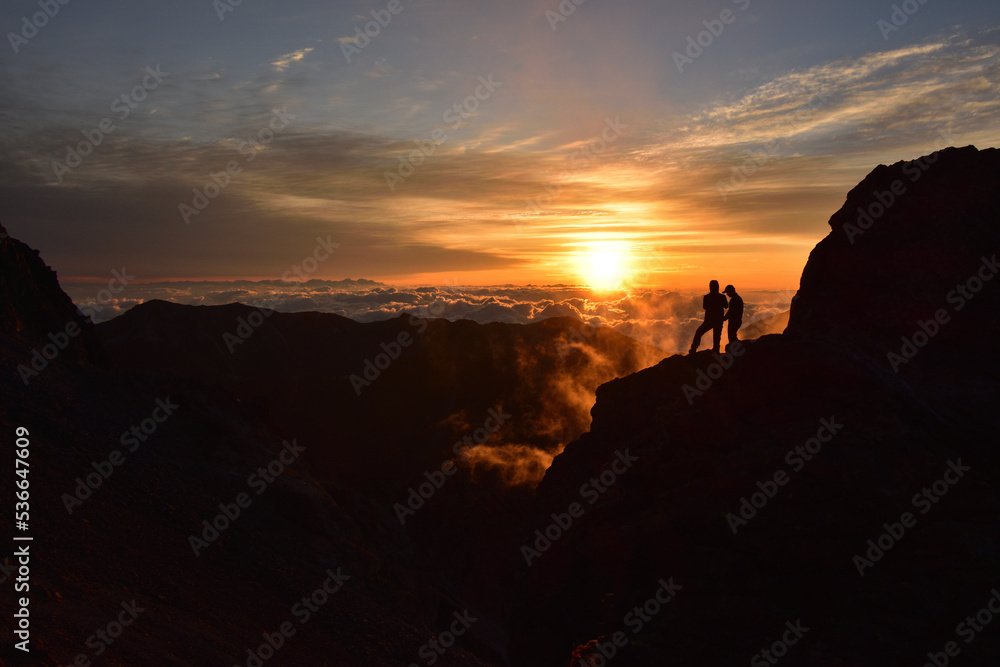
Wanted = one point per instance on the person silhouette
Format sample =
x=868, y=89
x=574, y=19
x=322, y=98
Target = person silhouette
x=734, y=315
x=715, y=305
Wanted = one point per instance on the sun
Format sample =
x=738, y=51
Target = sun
x=604, y=266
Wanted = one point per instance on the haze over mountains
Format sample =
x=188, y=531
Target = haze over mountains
x=887, y=365
x=652, y=316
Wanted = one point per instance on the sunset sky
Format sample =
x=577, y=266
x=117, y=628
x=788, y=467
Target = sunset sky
x=590, y=155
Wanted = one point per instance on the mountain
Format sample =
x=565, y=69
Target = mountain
x=122, y=498
x=761, y=477
x=33, y=309
x=402, y=390
x=826, y=496
x=123, y=472
x=383, y=405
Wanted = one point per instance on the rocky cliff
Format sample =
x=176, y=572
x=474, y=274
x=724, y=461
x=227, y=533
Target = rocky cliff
x=828, y=496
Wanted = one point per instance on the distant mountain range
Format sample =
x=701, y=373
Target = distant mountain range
x=827, y=496
x=379, y=408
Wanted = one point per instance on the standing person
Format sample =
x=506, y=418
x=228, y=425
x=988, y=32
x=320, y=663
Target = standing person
x=715, y=307
x=734, y=316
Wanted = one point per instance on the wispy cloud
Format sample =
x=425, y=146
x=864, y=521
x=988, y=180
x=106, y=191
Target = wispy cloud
x=464, y=208
x=285, y=61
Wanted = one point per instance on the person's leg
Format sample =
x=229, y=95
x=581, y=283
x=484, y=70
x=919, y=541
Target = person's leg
x=705, y=326
x=716, y=335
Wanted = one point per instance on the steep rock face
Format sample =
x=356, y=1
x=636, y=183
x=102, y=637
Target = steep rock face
x=905, y=237
x=33, y=306
x=909, y=271
x=836, y=439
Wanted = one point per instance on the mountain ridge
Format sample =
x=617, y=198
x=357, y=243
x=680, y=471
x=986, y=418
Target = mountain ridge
x=713, y=431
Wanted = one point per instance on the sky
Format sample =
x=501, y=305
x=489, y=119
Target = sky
x=632, y=144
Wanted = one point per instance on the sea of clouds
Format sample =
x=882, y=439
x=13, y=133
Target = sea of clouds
x=663, y=318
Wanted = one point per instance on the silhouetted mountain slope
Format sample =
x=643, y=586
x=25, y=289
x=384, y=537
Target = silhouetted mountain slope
x=709, y=438
x=321, y=377
x=744, y=490
x=903, y=239
x=128, y=536
x=245, y=381
x=33, y=307
x=305, y=374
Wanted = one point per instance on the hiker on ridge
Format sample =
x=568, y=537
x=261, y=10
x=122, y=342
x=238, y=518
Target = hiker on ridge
x=715, y=305
x=734, y=315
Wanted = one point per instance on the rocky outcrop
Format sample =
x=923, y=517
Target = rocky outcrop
x=762, y=477
x=34, y=311
x=908, y=235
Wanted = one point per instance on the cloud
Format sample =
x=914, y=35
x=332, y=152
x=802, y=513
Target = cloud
x=895, y=100
x=662, y=318
x=806, y=137
x=517, y=465
x=285, y=61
